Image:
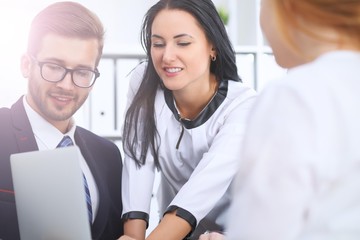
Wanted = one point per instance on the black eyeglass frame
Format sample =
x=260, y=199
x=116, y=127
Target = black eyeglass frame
x=67, y=70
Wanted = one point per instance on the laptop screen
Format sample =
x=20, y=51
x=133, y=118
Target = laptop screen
x=49, y=195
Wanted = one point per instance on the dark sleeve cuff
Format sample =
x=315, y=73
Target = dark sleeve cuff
x=136, y=215
x=184, y=214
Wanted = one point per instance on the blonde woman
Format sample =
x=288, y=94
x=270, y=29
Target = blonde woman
x=300, y=175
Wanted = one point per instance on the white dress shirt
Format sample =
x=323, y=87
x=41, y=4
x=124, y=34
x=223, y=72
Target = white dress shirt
x=300, y=172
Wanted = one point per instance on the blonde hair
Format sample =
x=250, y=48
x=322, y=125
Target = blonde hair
x=342, y=16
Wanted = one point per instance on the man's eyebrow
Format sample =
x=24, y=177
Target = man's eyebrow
x=62, y=63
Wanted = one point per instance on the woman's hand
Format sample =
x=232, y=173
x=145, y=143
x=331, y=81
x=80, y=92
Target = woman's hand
x=124, y=237
x=212, y=236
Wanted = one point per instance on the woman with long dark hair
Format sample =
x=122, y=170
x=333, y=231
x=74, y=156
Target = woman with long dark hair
x=187, y=110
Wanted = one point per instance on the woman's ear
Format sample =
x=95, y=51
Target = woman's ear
x=213, y=54
x=213, y=51
x=25, y=65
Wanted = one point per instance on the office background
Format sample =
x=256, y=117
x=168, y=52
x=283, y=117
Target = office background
x=103, y=111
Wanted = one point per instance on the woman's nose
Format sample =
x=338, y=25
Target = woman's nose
x=169, y=54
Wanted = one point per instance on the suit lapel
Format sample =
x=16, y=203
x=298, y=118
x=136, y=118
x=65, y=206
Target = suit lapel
x=22, y=129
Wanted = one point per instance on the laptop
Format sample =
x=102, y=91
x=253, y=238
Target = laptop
x=50, y=195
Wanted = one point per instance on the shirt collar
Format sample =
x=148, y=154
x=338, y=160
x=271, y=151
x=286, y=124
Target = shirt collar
x=206, y=113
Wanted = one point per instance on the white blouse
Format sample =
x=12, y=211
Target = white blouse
x=195, y=176
x=299, y=176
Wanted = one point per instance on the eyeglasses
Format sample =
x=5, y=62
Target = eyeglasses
x=52, y=72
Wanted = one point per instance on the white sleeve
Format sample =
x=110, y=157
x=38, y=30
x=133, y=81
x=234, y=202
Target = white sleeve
x=137, y=185
x=273, y=184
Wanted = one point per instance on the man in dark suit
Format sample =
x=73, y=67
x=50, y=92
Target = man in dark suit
x=64, y=49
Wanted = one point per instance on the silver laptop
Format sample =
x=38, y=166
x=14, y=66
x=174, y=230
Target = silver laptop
x=49, y=195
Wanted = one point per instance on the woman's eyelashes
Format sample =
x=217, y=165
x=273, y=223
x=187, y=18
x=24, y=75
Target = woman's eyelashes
x=160, y=45
x=184, y=44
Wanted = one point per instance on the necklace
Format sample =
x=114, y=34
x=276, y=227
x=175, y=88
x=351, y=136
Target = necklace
x=215, y=90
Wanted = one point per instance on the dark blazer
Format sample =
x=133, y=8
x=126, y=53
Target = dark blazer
x=102, y=156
